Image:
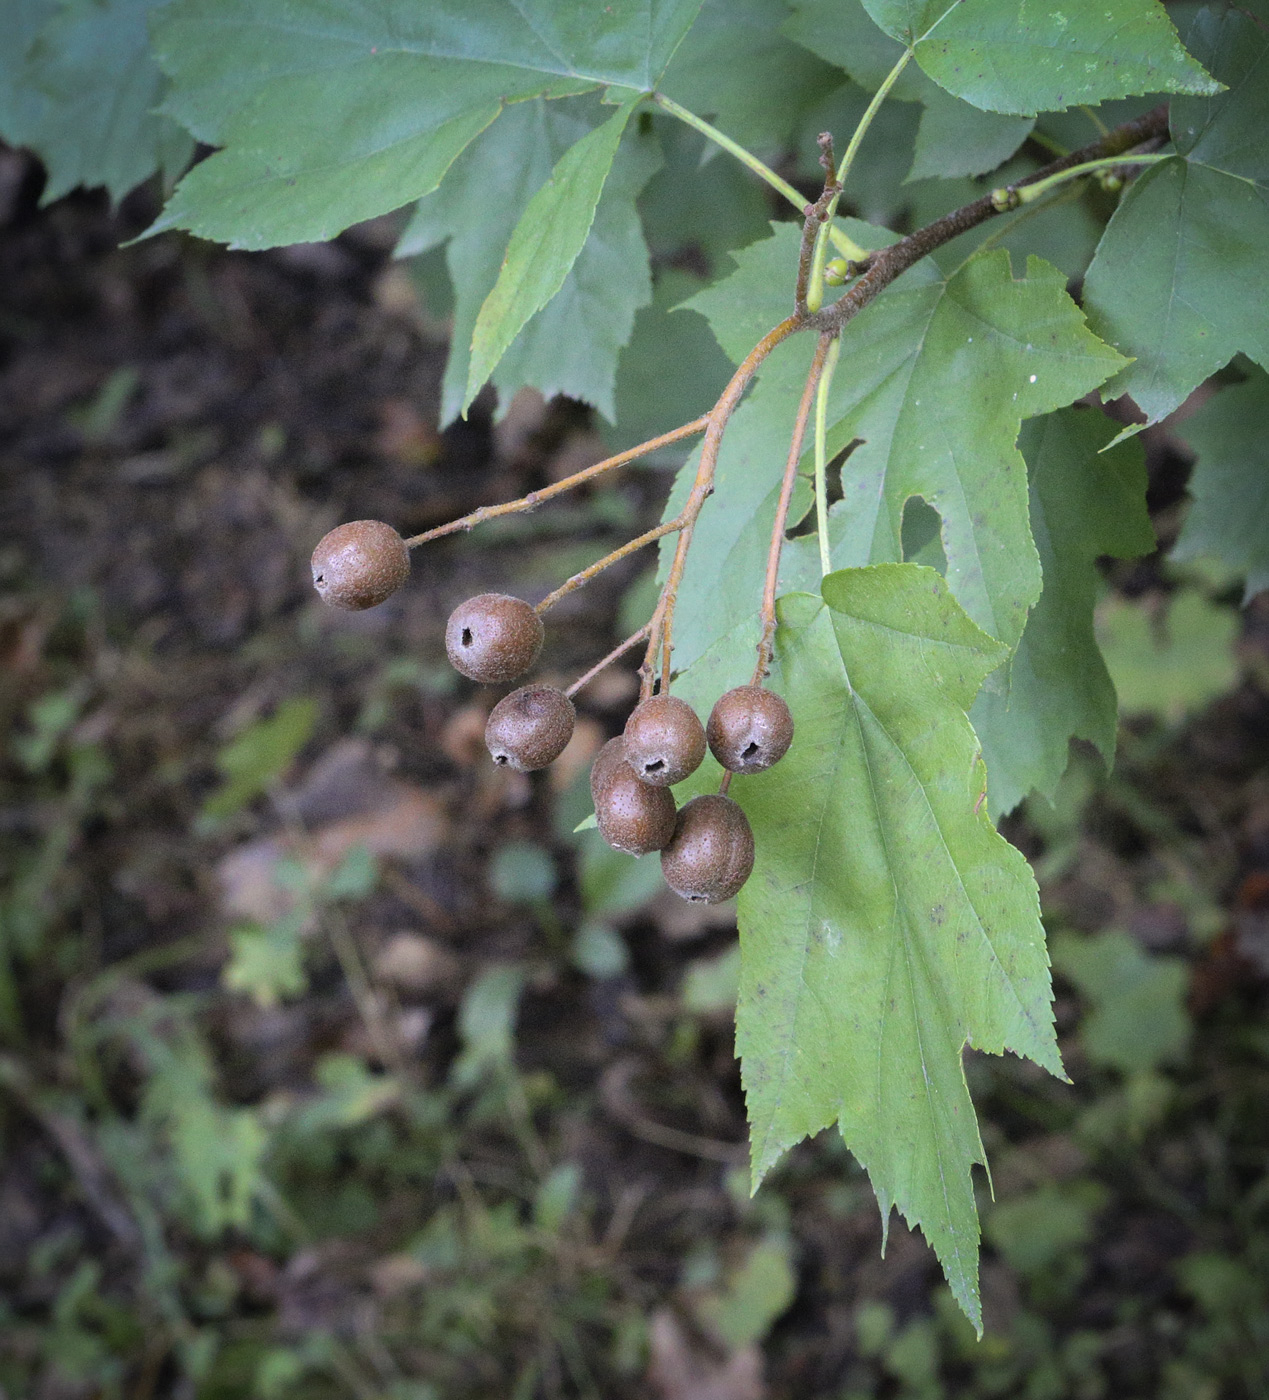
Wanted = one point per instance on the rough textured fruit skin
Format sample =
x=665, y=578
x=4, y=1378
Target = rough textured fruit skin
x=632, y=816
x=359, y=564
x=530, y=727
x=711, y=853
x=664, y=740
x=493, y=637
x=749, y=729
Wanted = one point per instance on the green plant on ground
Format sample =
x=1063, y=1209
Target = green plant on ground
x=902, y=490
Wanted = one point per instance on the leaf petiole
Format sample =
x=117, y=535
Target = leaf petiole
x=1011, y=196
x=815, y=293
x=821, y=455
x=845, y=245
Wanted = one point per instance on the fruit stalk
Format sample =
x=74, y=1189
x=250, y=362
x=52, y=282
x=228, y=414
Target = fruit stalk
x=766, y=640
x=702, y=488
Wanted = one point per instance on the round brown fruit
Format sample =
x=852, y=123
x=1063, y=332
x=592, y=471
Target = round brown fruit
x=711, y=853
x=359, y=564
x=530, y=727
x=632, y=816
x=749, y=729
x=664, y=740
x=493, y=637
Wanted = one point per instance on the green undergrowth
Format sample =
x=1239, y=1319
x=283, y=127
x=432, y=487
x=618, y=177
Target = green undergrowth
x=366, y=1222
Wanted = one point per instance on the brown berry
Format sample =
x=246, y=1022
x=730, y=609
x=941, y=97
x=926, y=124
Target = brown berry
x=530, y=727
x=664, y=740
x=359, y=564
x=632, y=816
x=493, y=637
x=749, y=729
x=711, y=853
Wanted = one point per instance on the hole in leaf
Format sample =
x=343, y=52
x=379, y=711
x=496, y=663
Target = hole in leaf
x=832, y=488
x=921, y=534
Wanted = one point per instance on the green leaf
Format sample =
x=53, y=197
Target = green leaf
x=1229, y=519
x=258, y=756
x=1137, y=1019
x=957, y=139
x=267, y=962
x=572, y=346
x=1085, y=502
x=1171, y=670
x=1169, y=285
x=329, y=116
x=1033, y=58
x=23, y=105
x=934, y=380
x=737, y=68
x=755, y=1295
x=544, y=246
x=954, y=138
x=653, y=390
x=701, y=203
x=886, y=924
x=83, y=97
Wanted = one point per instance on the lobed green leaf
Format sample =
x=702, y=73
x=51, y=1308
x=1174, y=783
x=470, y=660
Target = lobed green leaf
x=572, y=346
x=332, y=113
x=79, y=86
x=1085, y=502
x=1229, y=519
x=886, y=924
x=1170, y=283
x=544, y=246
x=1025, y=59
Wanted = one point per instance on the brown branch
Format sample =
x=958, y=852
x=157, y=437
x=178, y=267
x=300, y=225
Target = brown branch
x=782, y=509
x=618, y=651
x=589, y=572
x=815, y=216
x=702, y=487
x=889, y=263
x=535, y=498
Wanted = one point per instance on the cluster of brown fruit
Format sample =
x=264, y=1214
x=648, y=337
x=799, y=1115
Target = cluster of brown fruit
x=706, y=846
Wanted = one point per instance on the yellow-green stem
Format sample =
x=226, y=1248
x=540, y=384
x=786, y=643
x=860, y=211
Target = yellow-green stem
x=1010, y=196
x=844, y=245
x=821, y=455
x=815, y=292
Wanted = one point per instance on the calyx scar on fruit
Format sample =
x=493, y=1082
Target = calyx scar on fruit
x=749, y=729
x=530, y=728
x=665, y=741
x=359, y=564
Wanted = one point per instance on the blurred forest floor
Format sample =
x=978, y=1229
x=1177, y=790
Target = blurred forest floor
x=332, y=1064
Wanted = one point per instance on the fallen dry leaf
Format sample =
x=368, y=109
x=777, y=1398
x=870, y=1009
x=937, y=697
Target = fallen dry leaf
x=681, y=1370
